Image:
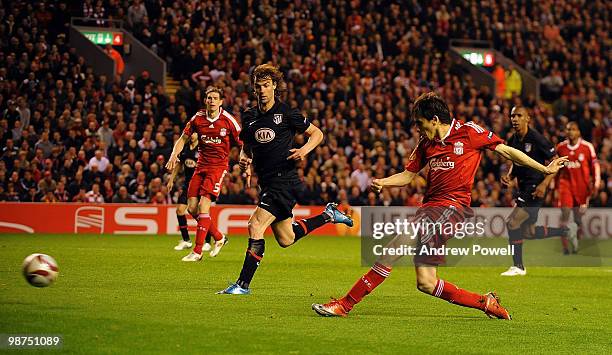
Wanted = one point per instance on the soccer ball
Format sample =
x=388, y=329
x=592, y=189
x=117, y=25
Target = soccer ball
x=40, y=270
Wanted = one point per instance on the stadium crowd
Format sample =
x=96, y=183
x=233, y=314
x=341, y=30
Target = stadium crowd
x=68, y=134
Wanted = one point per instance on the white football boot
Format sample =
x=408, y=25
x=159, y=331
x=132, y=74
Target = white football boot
x=183, y=245
x=192, y=257
x=572, y=236
x=206, y=247
x=218, y=245
x=514, y=271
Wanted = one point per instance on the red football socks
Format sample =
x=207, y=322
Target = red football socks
x=203, y=225
x=366, y=284
x=214, y=232
x=456, y=295
x=378, y=273
x=212, y=228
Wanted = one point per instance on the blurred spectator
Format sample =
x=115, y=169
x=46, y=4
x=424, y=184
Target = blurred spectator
x=116, y=56
x=136, y=14
x=61, y=195
x=99, y=13
x=88, y=8
x=107, y=191
x=159, y=199
x=47, y=184
x=44, y=145
x=122, y=196
x=11, y=113
x=81, y=196
x=11, y=193
x=49, y=197
x=105, y=134
x=514, y=83
x=26, y=184
x=130, y=90
x=143, y=80
x=24, y=112
x=99, y=161
x=140, y=196
x=94, y=195
x=499, y=74
x=552, y=84
x=361, y=177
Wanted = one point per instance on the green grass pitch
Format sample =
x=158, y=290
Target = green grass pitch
x=132, y=294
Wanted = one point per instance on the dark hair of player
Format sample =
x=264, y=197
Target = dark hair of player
x=216, y=89
x=265, y=71
x=520, y=107
x=429, y=105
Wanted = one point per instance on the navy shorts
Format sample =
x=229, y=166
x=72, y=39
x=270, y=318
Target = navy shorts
x=279, y=198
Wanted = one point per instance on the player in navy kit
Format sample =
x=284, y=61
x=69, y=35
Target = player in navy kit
x=532, y=186
x=268, y=130
x=188, y=157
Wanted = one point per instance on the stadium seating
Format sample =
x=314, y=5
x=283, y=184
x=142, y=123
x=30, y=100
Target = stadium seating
x=68, y=134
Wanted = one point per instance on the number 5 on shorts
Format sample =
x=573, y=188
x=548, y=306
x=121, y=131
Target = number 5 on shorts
x=217, y=188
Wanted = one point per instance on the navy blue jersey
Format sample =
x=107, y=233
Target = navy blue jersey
x=539, y=149
x=270, y=135
x=189, y=158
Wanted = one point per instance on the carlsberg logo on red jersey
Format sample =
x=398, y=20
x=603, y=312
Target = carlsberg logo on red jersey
x=441, y=164
x=208, y=140
x=572, y=165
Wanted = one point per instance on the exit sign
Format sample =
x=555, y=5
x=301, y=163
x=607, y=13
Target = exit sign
x=479, y=57
x=104, y=37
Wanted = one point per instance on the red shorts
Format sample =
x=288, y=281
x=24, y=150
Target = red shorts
x=434, y=239
x=569, y=198
x=206, y=183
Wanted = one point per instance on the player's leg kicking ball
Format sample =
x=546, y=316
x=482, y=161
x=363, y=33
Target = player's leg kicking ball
x=488, y=303
x=427, y=278
x=336, y=308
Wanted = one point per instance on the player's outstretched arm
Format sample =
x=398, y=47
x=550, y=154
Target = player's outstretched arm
x=400, y=179
x=521, y=158
x=178, y=148
x=172, y=177
x=315, y=137
x=596, y=171
x=540, y=190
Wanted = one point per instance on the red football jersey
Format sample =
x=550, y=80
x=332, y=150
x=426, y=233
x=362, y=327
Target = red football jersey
x=452, y=162
x=215, y=136
x=576, y=175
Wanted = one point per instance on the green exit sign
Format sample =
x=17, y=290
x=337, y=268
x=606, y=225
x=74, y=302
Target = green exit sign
x=104, y=37
x=479, y=57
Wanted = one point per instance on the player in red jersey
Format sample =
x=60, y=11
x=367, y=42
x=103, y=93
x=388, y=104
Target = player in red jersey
x=217, y=130
x=574, y=180
x=452, y=150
